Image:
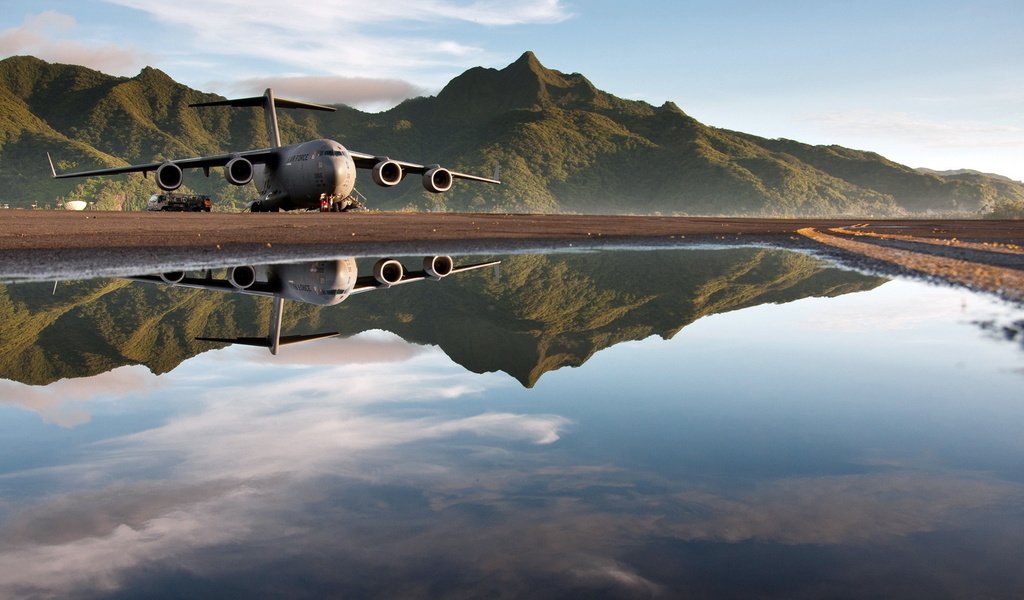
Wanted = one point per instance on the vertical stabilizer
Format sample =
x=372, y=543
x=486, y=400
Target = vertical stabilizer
x=276, y=314
x=270, y=105
x=270, y=115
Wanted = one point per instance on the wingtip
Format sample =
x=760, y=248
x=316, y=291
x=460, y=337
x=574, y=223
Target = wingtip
x=52, y=170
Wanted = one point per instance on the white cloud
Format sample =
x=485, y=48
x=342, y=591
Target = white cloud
x=920, y=129
x=356, y=53
x=368, y=41
x=353, y=91
x=340, y=15
x=47, y=34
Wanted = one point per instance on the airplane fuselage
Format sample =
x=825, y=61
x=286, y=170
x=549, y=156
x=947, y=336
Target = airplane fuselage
x=321, y=282
x=303, y=173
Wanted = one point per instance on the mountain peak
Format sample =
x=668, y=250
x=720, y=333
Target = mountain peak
x=523, y=84
x=527, y=61
x=527, y=70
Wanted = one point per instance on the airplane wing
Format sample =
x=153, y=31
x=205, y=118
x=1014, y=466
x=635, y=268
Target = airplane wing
x=368, y=283
x=367, y=161
x=200, y=162
x=258, y=288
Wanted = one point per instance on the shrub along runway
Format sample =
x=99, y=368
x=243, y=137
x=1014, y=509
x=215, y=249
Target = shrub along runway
x=38, y=244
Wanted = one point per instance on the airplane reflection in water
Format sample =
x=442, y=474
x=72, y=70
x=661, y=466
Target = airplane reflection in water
x=321, y=282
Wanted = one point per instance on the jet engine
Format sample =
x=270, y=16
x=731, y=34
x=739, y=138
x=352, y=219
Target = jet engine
x=172, y=277
x=168, y=176
x=238, y=171
x=388, y=271
x=437, y=179
x=242, y=278
x=387, y=172
x=437, y=266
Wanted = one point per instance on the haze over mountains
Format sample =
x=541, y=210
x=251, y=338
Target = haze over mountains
x=562, y=145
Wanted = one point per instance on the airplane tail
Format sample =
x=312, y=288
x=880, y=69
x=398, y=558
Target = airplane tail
x=269, y=104
x=274, y=339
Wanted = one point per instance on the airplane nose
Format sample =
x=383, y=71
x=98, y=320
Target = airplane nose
x=343, y=175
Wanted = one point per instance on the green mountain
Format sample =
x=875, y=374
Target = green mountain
x=540, y=314
x=562, y=144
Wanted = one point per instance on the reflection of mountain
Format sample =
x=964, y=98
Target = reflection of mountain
x=540, y=314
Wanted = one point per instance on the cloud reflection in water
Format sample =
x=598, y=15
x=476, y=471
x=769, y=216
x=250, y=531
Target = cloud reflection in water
x=389, y=471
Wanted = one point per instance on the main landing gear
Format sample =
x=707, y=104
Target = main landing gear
x=350, y=202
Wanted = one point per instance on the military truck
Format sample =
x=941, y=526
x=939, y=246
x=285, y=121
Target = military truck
x=180, y=202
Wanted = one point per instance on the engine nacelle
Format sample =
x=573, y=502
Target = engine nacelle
x=242, y=278
x=238, y=171
x=169, y=177
x=387, y=172
x=388, y=271
x=438, y=266
x=437, y=179
x=172, y=277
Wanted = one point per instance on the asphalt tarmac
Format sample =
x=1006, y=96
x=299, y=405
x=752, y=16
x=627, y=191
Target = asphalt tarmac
x=48, y=230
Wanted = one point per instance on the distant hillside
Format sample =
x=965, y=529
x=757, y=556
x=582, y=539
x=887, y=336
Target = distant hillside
x=562, y=144
x=956, y=172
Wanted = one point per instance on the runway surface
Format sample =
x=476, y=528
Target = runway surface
x=28, y=229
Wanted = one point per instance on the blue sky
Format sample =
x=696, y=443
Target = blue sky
x=936, y=83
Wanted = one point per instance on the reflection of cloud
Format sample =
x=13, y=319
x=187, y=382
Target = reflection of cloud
x=368, y=468
x=41, y=35
x=235, y=465
x=839, y=510
x=619, y=575
x=365, y=348
x=538, y=429
x=70, y=568
x=94, y=514
x=892, y=309
x=59, y=402
x=257, y=438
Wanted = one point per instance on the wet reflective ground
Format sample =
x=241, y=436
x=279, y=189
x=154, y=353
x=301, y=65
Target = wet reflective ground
x=688, y=423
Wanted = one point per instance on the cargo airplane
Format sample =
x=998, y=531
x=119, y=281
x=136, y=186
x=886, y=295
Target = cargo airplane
x=321, y=282
x=297, y=176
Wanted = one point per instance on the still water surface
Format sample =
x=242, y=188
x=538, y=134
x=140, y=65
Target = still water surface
x=698, y=423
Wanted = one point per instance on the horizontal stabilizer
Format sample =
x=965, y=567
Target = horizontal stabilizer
x=259, y=342
x=258, y=101
x=262, y=342
x=269, y=103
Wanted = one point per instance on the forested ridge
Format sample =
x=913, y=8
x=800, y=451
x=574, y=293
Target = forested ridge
x=562, y=145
